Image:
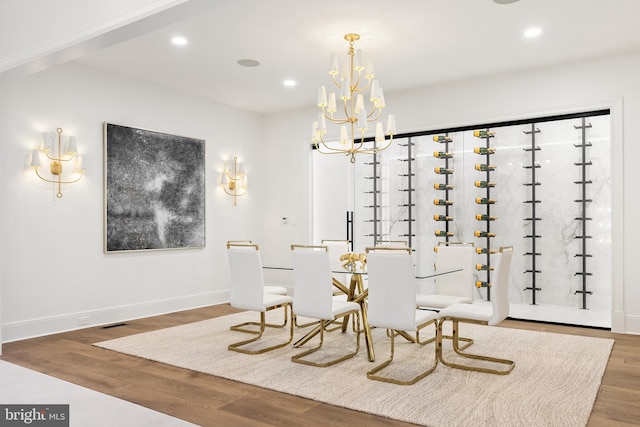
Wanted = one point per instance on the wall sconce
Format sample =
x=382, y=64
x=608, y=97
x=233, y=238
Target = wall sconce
x=56, y=158
x=234, y=180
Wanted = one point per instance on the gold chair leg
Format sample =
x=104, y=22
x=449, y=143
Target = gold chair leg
x=299, y=358
x=372, y=373
x=456, y=347
x=238, y=347
x=240, y=327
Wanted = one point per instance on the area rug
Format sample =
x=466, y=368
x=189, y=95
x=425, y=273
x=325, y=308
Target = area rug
x=555, y=381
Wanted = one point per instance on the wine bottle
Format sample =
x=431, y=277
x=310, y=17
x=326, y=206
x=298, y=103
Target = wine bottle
x=442, y=218
x=443, y=186
x=485, y=201
x=442, y=138
x=483, y=217
x=483, y=168
x=484, y=150
x=485, y=184
x=479, y=233
x=483, y=267
x=442, y=233
x=483, y=133
x=481, y=284
x=485, y=251
x=442, y=202
x=442, y=155
x=443, y=171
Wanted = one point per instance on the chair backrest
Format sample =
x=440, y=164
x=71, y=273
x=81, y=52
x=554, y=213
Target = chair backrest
x=336, y=249
x=500, y=285
x=391, y=302
x=312, y=284
x=392, y=243
x=247, y=282
x=451, y=257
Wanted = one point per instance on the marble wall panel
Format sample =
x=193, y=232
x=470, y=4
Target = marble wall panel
x=558, y=227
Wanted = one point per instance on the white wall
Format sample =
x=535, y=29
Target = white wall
x=606, y=82
x=53, y=270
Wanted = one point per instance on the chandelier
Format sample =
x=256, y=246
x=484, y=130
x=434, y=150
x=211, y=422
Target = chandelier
x=352, y=82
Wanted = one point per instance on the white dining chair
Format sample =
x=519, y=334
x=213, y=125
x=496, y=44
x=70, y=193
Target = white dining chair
x=270, y=289
x=247, y=293
x=313, y=298
x=453, y=288
x=481, y=314
x=392, y=305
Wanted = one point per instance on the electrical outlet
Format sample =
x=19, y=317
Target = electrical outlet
x=84, y=320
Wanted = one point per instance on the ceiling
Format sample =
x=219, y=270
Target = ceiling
x=411, y=43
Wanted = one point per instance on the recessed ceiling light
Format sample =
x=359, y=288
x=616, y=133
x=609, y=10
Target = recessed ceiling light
x=289, y=83
x=180, y=41
x=248, y=62
x=504, y=1
x=533, y=32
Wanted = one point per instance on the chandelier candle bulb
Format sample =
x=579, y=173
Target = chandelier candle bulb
x=374, y=91
x=391, y=125
x=358, y=63
x=333, y=68
x=344, y=137
x=345, y=92
x=379, y=133
x=35, y=158
x=369, y=72
x=322, y=124
x=362, y=120
x=331, y=104
x=359, y=103
x=322, y=97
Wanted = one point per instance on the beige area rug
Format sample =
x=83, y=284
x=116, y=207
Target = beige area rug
x=554, y=383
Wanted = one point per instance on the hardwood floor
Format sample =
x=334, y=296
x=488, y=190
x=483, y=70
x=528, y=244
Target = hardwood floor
x=211, y=401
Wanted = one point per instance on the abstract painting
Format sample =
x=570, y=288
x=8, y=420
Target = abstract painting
x=154, y=190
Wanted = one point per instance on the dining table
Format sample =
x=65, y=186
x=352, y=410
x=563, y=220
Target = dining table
x=356, y=292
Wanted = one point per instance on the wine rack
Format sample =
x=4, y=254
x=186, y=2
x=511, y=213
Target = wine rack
x=374, y=220
x=485, y=151
x=583, y=219
x=443, y=188
x=409, y=190
x=533, y=201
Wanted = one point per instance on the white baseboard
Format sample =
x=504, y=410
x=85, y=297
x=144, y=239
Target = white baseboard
x=52, y=325
x=632, y=325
